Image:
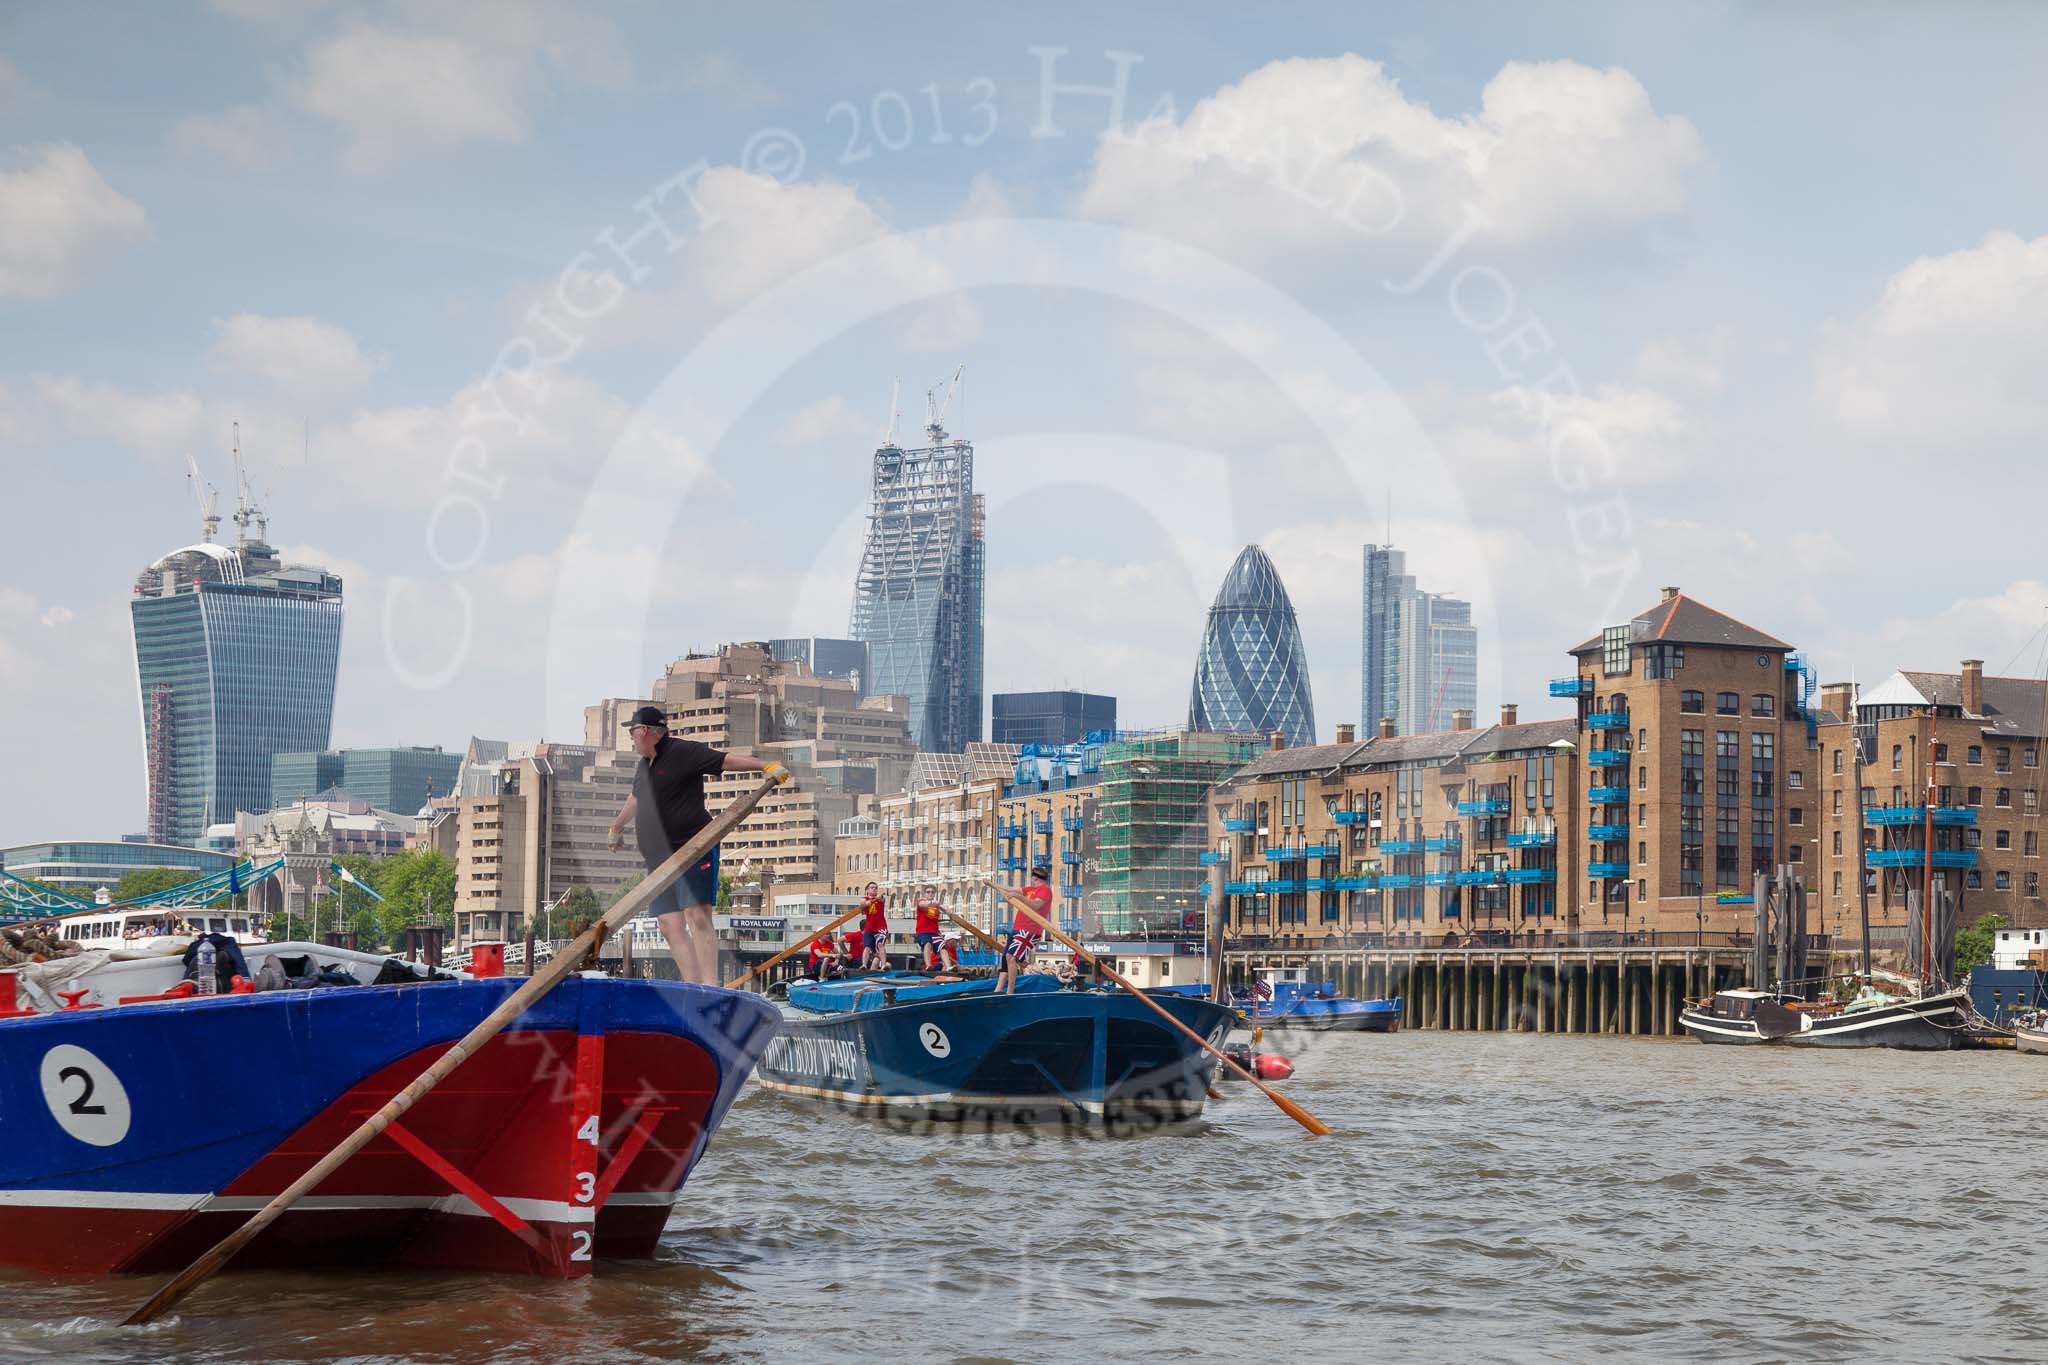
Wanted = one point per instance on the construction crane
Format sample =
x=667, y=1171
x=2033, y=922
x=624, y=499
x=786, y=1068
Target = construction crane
x=889, y=432
x=209, y=501
x=248, y=512
x=935, y=407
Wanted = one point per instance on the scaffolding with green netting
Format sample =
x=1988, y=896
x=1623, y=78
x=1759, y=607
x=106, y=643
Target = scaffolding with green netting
x=1153, y=825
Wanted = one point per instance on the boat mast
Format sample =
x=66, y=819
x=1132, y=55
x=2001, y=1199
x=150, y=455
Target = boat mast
x=1927, y=863
x=1862, y=881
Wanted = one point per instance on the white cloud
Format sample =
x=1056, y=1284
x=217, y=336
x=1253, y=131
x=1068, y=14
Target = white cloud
x=144, y=421
x=297, y=354
x=745, y=233
x=1951, y=353
x=1343, y=156
x=1700, y=365
x=537, y=449
x=56, y=214
x=826, y=419
x=247, y=137
x=475, y=76
x=58, y=616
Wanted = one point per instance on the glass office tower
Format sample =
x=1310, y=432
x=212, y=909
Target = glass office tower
x=1252, y=673
x=918, y=601
x=236, y=654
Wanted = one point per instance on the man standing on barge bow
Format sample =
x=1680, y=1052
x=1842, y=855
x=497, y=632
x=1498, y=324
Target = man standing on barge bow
x=666, y=810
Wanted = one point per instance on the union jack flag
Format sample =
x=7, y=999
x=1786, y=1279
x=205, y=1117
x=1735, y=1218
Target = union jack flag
x=1262, y=989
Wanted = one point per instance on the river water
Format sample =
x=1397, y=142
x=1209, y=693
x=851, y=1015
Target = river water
x=1498, y=1196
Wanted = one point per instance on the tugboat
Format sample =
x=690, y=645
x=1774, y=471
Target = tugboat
x=917, y=1046
x=1284, y=997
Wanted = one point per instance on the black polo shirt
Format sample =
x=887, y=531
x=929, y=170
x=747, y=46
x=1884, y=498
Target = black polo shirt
x=668, y=791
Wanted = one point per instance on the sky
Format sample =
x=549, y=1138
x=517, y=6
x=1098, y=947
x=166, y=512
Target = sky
x=565, y=335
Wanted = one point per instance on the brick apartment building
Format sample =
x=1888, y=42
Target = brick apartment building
x=1691, y=763
x=1978, y=742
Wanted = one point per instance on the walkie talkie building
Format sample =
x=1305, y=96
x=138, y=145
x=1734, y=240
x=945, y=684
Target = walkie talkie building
x=236, y=653
x=1252, y=673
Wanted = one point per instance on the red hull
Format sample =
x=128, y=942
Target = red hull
x=499, y=1168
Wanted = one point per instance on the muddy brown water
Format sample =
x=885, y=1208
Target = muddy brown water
x=1487, y=1196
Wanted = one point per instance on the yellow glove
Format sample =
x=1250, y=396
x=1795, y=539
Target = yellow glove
x=779, y=773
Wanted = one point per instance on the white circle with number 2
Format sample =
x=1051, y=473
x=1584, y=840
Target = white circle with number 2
x=85, y=1096
x=935, y=1040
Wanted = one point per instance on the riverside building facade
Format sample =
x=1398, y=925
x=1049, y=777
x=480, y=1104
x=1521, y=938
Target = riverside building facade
x=1690, y=764
x=1978, y=740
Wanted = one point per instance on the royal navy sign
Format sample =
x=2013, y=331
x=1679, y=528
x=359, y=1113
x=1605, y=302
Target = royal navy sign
x=754, y=922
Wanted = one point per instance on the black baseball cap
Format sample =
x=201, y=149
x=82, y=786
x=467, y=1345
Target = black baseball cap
x=648, y=715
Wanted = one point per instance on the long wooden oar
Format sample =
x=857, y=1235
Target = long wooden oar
x=1289, y=1107
x=740, y=981
x=972, y=929
x=515, y=1004
x=1214, y=1093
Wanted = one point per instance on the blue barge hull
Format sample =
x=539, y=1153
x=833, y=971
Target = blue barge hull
x=956, y=1052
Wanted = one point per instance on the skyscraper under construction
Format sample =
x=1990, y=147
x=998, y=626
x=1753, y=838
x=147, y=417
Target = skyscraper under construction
x=918, y=601
x=236, y=653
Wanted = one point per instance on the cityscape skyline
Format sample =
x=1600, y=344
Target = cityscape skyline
x=451, y=344
x=1420, y=660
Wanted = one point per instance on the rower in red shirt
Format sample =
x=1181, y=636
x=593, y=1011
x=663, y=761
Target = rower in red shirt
x=824, y=956
x=1025, y=932
x=874, y=926
x=927, y=931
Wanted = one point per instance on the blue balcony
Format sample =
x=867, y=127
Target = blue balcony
x=1074, y=890
x=1400, y=880
x=1321, y=851
x=1485, y=876
x=1241, y=826
x=1042, y=823
x=1544, y=838
x=1070, y=858
x=1571, y=687
x=1203, y=888
x=1439, y=879
x=1010, y=831
x=1011, y=862
x=1397, y=847
x=1448, y=844
x=1245, y=888
x=1917, y=815
x=1608, y=871
x=1283, y=886
x=1492, y=805
x=1362, y=882
x=1351, y=817
x=1071, y=822
x=1210, y=857
x=1607, y=758
x=1601, y=834
x=1609, y=796
x=1607, y=720
x=1318, y=884
x=1285, y=855
x=1910, y=857
x=1530, y=876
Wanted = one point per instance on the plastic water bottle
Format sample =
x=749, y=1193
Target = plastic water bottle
x=206, y=978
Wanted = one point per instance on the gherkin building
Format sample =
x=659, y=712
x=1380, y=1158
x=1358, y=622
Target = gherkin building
x=1252, y=673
